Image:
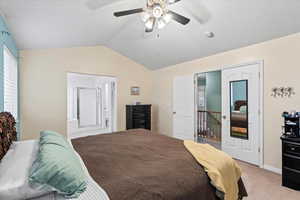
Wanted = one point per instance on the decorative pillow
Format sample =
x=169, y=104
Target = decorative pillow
x=243, y=109
x=8, y=132
x=2, y=152
x=57, y=167
x=15, y=167
x=51, y=137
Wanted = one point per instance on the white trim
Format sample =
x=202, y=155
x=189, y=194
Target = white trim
x=195, y=107
x=262, y=153
x=242, y=64
x=272, y=169
x=115, y=117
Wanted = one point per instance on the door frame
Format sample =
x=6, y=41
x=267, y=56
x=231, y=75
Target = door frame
x=261, y=100
x=196, y=100
x=114, y=101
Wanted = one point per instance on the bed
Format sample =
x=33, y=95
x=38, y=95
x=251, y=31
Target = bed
x=239, y=119
x=128, y=165
x=143, y=165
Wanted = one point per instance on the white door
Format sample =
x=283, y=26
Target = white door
x=241, y=112
x=183, y=107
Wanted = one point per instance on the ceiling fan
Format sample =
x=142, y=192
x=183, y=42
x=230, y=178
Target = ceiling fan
x=156, y=14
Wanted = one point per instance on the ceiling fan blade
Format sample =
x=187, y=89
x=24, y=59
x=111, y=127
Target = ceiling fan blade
x=198, y=11
x=149, y=30
x=128, y=12
x=179, y=18
x=151, y=25
x=173, y=1
x=95, y=4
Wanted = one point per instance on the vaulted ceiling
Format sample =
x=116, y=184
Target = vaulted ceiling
x=39, y=24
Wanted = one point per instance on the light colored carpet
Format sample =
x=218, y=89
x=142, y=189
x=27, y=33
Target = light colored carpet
x=264, y=185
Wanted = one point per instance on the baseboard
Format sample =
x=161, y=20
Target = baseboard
x=273, y=169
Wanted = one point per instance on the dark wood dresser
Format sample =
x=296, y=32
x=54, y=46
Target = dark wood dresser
x=291, y=162
x=138, y=116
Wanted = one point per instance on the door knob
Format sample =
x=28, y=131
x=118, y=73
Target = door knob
x=174, y=113
x=224, y=116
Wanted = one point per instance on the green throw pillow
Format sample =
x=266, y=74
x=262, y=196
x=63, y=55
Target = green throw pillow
x=243, y=109
x=58, y=167
x=51, y=137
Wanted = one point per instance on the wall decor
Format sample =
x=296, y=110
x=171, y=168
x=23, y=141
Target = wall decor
x=135, y=90
x=282, y=92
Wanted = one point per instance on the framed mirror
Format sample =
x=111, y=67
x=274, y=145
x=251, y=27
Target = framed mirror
x=239, y=109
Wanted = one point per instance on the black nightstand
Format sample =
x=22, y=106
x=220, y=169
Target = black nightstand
x=291, y=162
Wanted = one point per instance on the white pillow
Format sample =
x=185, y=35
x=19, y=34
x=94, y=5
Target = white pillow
x=14, y=172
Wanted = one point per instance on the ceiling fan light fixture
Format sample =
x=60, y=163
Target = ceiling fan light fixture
x=156, y=14
x=150, y=23
x=145, y=16
x=167, y=18
x=157, y=11
x=161, y=23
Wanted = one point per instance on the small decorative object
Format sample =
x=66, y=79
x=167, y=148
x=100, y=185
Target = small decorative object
x=135, y=90
x=282, y=92
x=275, y=92
x=136, y=103
x=289, y=91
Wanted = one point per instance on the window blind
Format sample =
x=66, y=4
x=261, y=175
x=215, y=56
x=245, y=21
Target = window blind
x=10, y=83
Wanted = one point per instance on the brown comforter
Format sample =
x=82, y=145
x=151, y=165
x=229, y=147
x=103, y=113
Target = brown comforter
x=142, y=165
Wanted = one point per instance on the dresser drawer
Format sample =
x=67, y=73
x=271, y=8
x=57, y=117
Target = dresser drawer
x=291, y=178
x=138, y=109
x=292, y=162
x=291, y=148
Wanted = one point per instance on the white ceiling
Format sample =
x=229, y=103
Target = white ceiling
x=39, y=24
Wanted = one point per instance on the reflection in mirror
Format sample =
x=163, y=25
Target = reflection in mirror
x=87, y=106
x=239, y=109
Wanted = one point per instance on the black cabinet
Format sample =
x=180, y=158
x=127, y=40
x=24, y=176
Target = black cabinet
x=138, y=116
x=291, y=162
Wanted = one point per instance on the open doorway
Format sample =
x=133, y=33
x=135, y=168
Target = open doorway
x=91, y=104
x=209, y=108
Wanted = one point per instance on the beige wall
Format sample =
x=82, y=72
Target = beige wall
x=43, y=84
x=281, y=68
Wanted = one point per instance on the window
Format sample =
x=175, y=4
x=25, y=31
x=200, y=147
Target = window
x=10, y=83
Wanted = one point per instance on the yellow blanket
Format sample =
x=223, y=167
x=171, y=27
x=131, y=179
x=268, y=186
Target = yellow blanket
x=222, y=170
